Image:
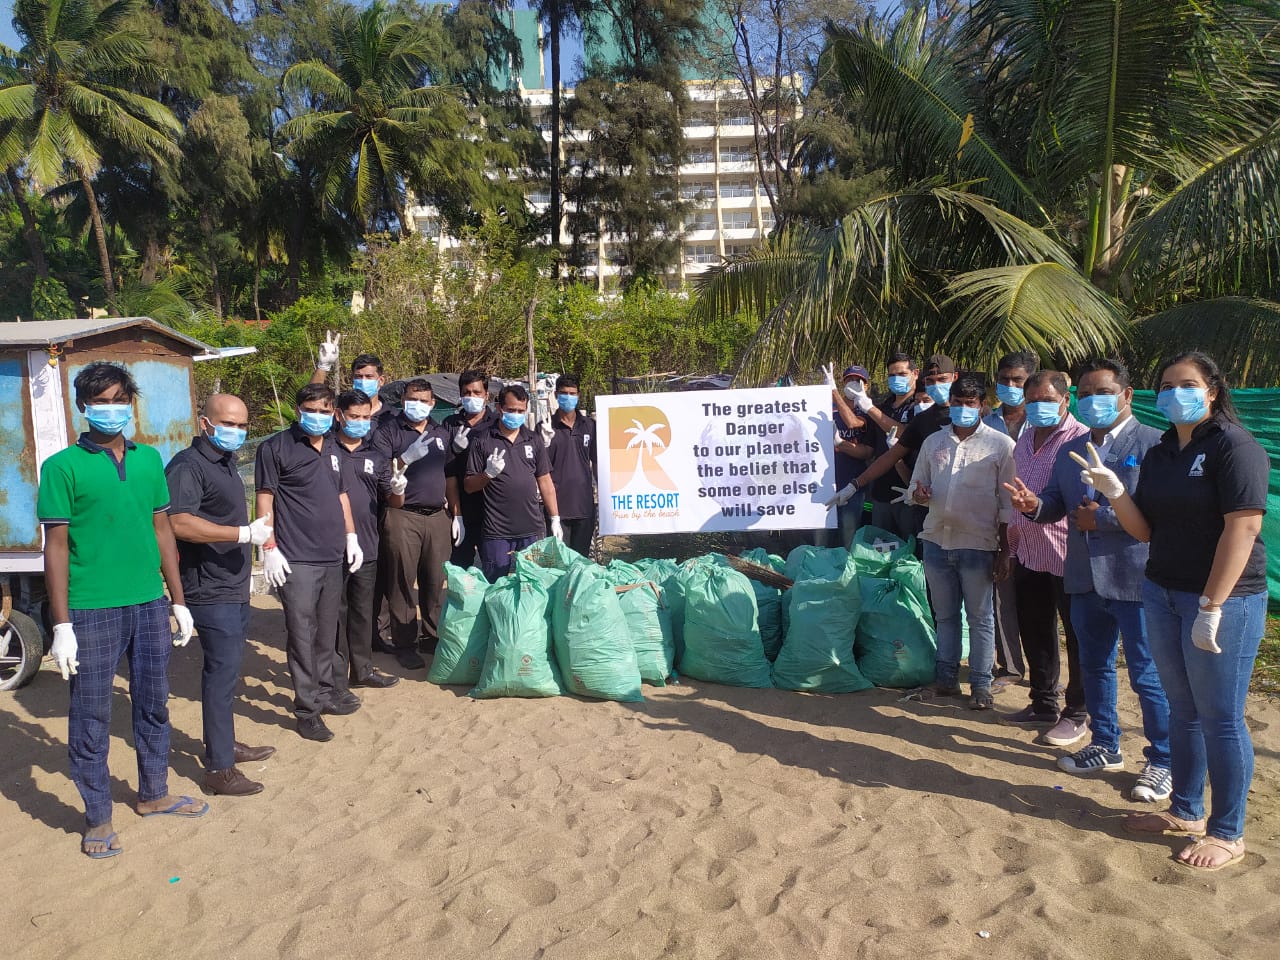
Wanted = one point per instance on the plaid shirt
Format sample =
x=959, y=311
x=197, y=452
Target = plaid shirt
x=1041, y=546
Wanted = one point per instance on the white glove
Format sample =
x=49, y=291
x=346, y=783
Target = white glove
x=399, y=479
x=906, y=494
x=355, y=556
x=459, y=531
x=1204, y=630
x=185, y=625
x=891, y=438
x=547, y=430
x=328, y=351
x=496, y=463
x=1095, y=475
x=557, y=530
x=843, y=496
x=5, y=638
x=258, y=532
x=418, y=449
x=461, y=439
x=64, y=649
x=829, y=375
x=275, y=567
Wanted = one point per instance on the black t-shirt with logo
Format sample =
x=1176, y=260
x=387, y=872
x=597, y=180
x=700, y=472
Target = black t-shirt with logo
x=572, y=455
x=512, y=501
x=366, y=472
x=1184, y=494
x=472, y=503
x=425, y=476
x=305, y=483
x=204, y=482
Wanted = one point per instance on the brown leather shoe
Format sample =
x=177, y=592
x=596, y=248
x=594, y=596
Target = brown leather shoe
x=230, y=783
x=248, y=754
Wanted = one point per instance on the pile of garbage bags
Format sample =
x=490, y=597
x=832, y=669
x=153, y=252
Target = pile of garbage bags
x=846, y=620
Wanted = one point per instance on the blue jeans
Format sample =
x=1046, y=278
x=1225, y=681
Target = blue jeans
x=1099, y=624
x=222, y=628
x=1206, y=691
x=956, y=575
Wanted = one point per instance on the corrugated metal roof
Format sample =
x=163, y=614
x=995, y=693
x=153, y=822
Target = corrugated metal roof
x=45, y=332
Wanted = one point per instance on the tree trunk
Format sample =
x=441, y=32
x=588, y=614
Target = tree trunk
x=29, y=231
x=555, y=126
x=100, y=235
x=257, y=282
x=150, y=260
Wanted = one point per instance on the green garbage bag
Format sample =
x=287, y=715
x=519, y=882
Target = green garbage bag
x=518, y=660
x=768, y=601
x=896, y=645
x=552, y=554
x=876, y=551
x=721, y=632
x=648, y=621
x=816, y=563
x=669, y=576
x=592, y=643
x=817, y=654
x=464, y=629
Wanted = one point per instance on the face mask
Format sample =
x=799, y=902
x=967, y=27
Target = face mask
x=899, y=384
x=355, y=429
x=108, y=418
x=367, y=385
x=938, y=392
x=1183, y=404
x=512, y=421
x=921, y=407
x=1099, y=411
x=965, y=416
x=473, y=405
x=229, y=439
x=417, y=410
x=567, y=402
x=853, y=389
x=1013, y=396
x=315, y=424
x=1044, y=413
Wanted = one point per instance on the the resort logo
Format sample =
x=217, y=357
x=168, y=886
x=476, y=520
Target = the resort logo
x=638, y=436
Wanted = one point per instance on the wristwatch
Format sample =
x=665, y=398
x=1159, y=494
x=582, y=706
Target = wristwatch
x=1207, y=604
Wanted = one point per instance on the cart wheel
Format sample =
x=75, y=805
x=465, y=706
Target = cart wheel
x=25, y=650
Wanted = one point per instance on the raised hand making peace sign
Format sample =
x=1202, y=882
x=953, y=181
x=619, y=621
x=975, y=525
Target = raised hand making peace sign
x=1024, y=501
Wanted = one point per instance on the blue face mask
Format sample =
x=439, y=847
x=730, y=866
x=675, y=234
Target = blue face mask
x=108, y=418
x=899, y=385
x=1044, y=413
x=567, y=402
x=965, y=416
x=417, y=410
x=229, y=439
x=355, y=429
x=1013, y=396
x=367, y=385
x=1099, y=411
x=938, y=392
x=1183, y=404
x=512, y=421
x=473, y=405
x=315, y=424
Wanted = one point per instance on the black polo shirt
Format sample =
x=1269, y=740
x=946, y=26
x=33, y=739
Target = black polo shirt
x=204, y=482
x=1184, y=495
x=919, y=430
x=882, y=489
x=366, y=475
x=512, y=502
x=572, y=455
x=307, y=515
x=472, y=503
x=425, y=476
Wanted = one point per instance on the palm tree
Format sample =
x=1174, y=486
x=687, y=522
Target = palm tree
x=376, y=131
x=68, y=93
x=1071, y=175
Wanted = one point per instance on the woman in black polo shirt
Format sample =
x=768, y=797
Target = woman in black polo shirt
x=1200, y=498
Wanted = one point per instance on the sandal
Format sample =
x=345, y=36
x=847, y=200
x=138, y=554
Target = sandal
x=1163, y=823
x=110, y=851
x=1234, y=849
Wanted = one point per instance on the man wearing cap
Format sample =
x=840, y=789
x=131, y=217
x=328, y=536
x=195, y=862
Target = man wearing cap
x=852, y=449
x=215, y=555
x=570, y=436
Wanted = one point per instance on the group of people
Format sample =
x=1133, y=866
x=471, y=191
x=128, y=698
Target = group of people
x=1029, y=515
x=1025, y=516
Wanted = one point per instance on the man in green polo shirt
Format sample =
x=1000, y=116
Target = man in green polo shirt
x=104, y=505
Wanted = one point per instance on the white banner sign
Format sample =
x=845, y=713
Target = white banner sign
x=716, y=460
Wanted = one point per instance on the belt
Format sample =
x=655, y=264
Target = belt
x=422, y=511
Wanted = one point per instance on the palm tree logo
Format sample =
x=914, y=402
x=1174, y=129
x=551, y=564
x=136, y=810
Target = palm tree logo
x=638, y=436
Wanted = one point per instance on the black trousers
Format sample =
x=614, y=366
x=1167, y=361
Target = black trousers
x=1041, y=601
x=311, y=597
x=1008, y=644
x=222, y=628
x=577, y=533
x=464, y=554
x=356, y=625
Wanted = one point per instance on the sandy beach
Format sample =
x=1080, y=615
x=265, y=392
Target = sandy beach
x=707, y=822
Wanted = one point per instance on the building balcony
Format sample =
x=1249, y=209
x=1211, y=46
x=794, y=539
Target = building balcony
x=738, y=203
x=741, y=233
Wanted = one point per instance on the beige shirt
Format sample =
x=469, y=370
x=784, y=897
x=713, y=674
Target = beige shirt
x=968, y=502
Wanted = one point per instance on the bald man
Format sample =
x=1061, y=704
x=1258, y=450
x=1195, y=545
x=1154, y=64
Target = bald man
x=210, y=519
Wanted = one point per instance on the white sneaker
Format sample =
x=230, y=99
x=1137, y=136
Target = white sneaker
x=1154, y=784
x=1092, y=759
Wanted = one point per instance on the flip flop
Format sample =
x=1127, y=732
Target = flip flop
x=1235, y=855
x=175, y=809
x=101, y=854
x=1172, y=826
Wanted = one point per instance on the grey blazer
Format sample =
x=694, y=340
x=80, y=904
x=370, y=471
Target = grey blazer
x=1107, y=561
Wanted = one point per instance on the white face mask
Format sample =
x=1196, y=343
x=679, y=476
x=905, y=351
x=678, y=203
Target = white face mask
x=853, y=389
x=920, y=408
